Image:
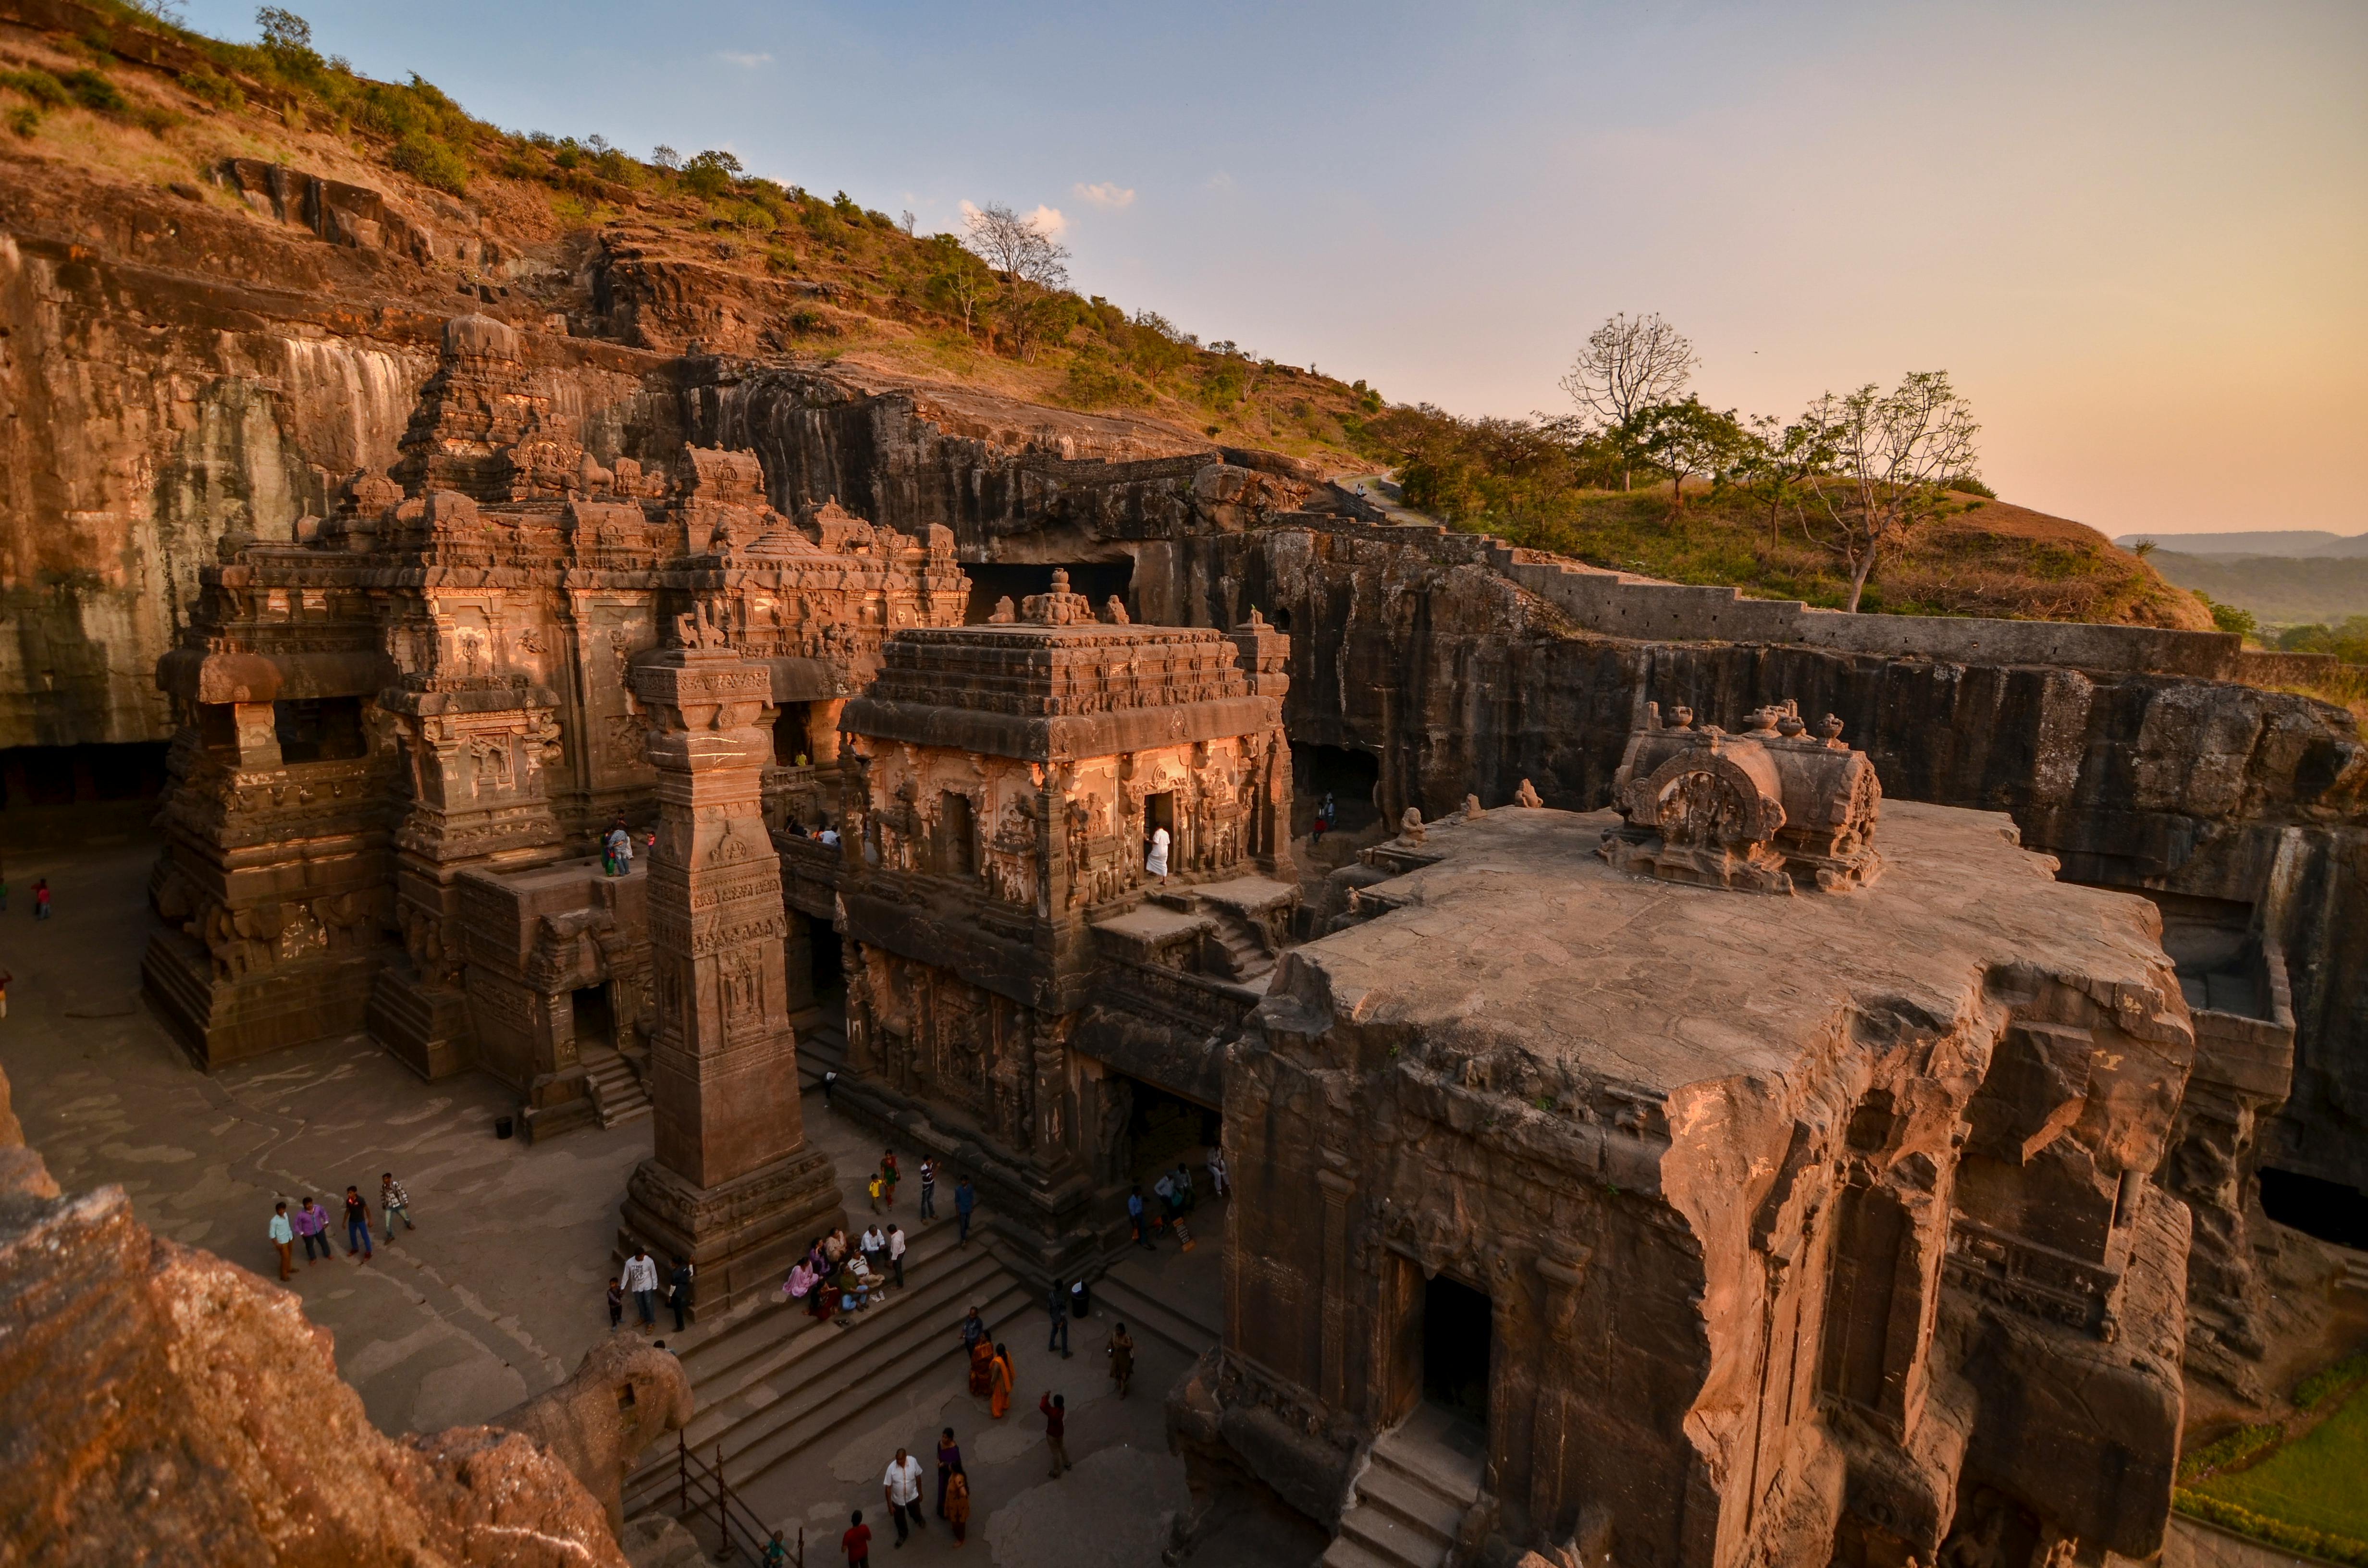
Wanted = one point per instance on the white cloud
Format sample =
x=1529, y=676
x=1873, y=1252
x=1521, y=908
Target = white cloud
x=1218, y=181
x=1108, y=193
x=733, y=57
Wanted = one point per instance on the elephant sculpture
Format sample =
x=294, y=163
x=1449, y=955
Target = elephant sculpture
x=621, y=1397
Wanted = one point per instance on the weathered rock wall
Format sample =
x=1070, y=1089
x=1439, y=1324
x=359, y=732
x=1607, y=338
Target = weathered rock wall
x=1458, y=680
x=166, y=1405
x=173, y=373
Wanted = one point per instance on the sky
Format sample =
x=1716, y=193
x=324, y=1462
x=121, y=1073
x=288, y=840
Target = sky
x=2135, y=235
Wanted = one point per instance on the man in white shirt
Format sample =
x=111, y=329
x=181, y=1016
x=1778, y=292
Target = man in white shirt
x=874, y=1248
x=642, y=1284
x=827, y=835
x=903, y=1486
x=896, y=1252
x=1217, y=1170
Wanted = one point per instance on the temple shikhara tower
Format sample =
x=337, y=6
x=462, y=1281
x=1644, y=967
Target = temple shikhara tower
x=1018, y=977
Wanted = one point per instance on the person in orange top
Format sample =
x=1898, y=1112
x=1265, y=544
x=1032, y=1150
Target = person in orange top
x=999, y=1371
x=958, y=1502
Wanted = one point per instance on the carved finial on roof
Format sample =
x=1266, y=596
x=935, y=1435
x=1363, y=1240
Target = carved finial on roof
x=1256, y=618
x=1471, y=807
x=1527, y=795
x=1681, y=718
x=1004, y=614
x=1830, y=728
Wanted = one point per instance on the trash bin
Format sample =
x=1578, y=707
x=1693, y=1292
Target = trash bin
x=503, y=1126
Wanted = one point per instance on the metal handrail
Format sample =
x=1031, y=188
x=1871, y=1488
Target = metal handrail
x=701, y=1488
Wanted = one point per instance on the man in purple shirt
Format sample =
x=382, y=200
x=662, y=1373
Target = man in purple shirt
x=311, y=1223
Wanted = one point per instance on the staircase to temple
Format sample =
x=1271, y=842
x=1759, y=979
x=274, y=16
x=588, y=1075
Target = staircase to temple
x=769, y=1381
x=1411, y=1499
x=822, y=1044
x=617, y=1092
x=1130, y=1293
x=1243, y=955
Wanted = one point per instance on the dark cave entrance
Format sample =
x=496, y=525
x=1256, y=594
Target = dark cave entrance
x=596, y=1024
x=83, y=795
x=1166, y=1130
x=1457, y=1331
x=2328, y=1210
x=828, y=964
x=1352, y=777
x=993, y=580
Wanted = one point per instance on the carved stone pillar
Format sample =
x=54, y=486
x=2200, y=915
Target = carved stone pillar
x=732, y=1186
x=1563, y=1276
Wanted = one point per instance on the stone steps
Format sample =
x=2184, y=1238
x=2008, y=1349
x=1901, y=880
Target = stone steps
x=1410, y=1500
x=617, y=1094
x=768, y=1388
x=2355, y=1271
x=1127, y=1293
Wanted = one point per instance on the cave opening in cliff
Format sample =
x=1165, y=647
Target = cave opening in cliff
x=1099, y=581
x=2328, y=1210
x=1352, y=777
x=1457, y=1328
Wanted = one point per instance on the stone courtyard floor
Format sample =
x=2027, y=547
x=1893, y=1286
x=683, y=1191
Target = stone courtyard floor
x=502, y=1288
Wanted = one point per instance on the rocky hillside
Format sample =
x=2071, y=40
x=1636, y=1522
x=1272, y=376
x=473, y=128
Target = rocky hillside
x=225, y=271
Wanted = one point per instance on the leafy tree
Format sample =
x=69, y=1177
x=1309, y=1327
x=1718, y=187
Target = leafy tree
x=711, y=173
x=1682, y=438
x=286, y=34
x=1776, y=462
x=1154, y=348
x=2229, y=618
x=1892, y=455
x=1625, y=367
x=666, y=157
x=958, y=281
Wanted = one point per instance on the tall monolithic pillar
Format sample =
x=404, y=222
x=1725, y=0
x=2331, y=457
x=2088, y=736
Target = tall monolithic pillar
x=732, y=1186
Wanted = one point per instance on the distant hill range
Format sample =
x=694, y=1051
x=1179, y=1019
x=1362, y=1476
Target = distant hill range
x=2280, y=590
x=2312, y=544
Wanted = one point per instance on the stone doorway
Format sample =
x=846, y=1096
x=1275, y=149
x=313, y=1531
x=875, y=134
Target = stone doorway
x=1166, y=1130
x=827, y=967
x=1457, y=1332
x=596, y=1020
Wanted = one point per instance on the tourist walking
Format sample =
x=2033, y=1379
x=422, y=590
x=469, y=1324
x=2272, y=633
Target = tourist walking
x=958, y=1505
x=1058, y=1304
x=678, y=1291
x=873, y=1187
x=928, y=1190
x=1056, y=1411
x=1218, y=1186
x=358, y=1225
x=902, y=1487
x=393, y=1201
x=1000, y=1378
x=1142, y=1221
x=948, y=1461
x=857, y=1541
x=283, y=1236
x=896, y=1252
x=1155, y=862
x=964, y=1201
x=642, y=1284
x=40, y=898
x=1164, y=1190
x=312, y=1222
x=1121, y=1352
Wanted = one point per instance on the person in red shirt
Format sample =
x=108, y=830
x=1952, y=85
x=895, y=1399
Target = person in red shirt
x=857, y=1541
x=1056, y=1410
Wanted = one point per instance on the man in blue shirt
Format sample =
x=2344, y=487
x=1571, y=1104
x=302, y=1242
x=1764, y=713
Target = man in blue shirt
x=964, y=1201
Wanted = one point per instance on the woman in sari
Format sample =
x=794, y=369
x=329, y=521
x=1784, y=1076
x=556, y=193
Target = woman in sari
x=1001, y=1370
x=949, y=1463
x=958, y=1502
x=982, y=1369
